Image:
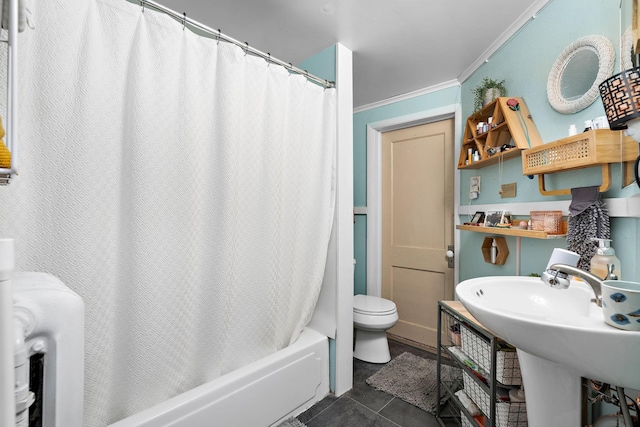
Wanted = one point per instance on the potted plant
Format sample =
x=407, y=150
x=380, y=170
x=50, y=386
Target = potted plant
x=487, y=91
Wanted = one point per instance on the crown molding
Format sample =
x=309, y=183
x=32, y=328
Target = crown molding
x=408, y=95
x=527, y=15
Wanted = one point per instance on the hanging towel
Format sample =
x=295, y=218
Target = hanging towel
x=25, y=14
x=588, y=219
x=5, y=154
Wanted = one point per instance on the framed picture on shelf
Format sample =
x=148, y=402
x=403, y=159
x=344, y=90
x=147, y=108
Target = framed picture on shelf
x=478, y=218
x=493, y=218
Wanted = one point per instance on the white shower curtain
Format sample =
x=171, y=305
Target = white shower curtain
x=183, y=188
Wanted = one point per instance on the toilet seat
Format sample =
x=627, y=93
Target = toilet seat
x=373, y=306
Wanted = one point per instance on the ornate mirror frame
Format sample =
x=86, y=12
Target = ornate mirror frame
x=604, y=50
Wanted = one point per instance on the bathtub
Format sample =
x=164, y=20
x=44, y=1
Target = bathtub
x=263, y=393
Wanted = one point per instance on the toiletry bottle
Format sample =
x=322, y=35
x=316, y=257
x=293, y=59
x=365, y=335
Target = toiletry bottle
x=605, y=255
x=494, y=251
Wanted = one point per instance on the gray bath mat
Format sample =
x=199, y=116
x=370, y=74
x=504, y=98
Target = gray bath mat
x=291, y=422
x=413, y=379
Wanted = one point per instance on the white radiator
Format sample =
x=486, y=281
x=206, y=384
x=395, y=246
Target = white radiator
x=49, y=351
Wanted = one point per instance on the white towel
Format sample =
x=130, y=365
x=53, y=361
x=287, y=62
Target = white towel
x=25, y=14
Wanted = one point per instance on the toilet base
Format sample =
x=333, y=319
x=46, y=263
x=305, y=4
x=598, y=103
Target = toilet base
x=372, y=346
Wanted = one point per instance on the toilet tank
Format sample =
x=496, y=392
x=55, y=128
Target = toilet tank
x=49, y=336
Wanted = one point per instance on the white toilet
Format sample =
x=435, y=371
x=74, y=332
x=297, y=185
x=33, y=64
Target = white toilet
x=372, y=316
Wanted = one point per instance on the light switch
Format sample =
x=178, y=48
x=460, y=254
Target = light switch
x=474, y=185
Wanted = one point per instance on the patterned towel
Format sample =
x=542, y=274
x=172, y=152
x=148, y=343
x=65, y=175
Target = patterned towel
x=588, y=219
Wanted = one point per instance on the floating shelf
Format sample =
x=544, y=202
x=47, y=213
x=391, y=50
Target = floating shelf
x=599, y=147
x=517, y=232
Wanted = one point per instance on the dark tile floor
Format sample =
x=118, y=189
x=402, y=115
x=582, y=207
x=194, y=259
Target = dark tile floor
x=365, y=406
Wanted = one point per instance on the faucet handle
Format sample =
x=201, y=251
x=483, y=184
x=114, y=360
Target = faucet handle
x=555, y=278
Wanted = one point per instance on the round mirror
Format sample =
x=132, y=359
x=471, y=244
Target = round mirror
x=575, y=76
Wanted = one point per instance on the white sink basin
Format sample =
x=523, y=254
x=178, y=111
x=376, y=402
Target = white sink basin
x=560, y=336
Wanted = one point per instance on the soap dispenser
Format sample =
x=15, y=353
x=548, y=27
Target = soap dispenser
x=605, y=263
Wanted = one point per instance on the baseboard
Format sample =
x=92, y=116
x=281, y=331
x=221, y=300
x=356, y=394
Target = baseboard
x=412, y=343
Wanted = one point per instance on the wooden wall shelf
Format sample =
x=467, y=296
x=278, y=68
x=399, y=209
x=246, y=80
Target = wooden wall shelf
x=502, y=252
x=507, y=125
x=517, y=232
x=599, y=147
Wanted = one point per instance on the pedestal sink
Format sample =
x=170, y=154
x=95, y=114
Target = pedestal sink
x=560, y=336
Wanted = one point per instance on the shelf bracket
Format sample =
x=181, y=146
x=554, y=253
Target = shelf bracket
x=606, y=183
x=628, y=174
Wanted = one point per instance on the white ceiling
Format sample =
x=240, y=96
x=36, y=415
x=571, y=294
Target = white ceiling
x=399, y=46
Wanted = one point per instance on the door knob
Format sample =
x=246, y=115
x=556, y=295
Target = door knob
x=450, y=254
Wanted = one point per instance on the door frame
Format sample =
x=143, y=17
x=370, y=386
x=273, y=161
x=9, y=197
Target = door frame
x=374, y=184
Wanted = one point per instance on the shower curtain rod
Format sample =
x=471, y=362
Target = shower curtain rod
x=218, y=35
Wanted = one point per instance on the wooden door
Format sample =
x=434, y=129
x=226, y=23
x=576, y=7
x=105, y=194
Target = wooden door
x=417, y=225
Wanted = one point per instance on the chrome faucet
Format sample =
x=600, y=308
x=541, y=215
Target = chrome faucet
x=556, y=276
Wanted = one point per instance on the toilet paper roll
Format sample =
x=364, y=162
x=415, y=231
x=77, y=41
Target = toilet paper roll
x=563, y=256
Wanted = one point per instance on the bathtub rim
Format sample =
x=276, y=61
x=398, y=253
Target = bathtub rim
x=182, y=405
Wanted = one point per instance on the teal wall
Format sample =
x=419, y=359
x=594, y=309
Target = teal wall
x=322, y=64
x=524, y=63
